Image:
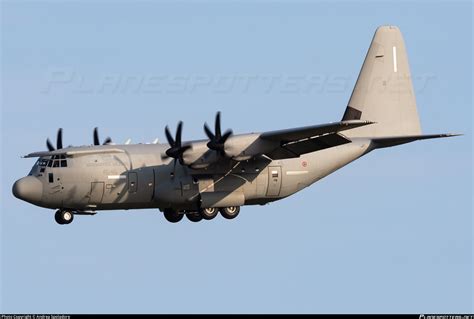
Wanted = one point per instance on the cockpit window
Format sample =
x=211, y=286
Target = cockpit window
x=55, y=161
x=42, y=162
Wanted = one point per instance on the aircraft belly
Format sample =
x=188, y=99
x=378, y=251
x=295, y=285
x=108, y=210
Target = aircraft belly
x=302, y=172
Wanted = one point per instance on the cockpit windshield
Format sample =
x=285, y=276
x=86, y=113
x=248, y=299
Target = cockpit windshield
x=58, y=161
x=55, y=161
x=42, y=163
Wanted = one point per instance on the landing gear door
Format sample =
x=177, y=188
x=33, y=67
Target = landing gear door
x=274, y=181
x=97, y=193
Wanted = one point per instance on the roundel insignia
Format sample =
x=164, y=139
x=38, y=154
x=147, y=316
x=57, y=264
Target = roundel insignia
x=304, y=163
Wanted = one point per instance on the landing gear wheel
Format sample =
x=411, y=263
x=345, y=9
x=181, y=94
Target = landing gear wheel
x=209, y=213
x=172, y=216
x=57, y=217
x=64, y=217
x=194, y=217
x=230, y=212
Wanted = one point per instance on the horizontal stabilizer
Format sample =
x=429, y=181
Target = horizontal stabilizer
x=382, y=142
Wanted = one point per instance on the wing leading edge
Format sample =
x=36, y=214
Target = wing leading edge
x=74, y=152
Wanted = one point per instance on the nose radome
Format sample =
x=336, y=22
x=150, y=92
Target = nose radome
x=29, y=189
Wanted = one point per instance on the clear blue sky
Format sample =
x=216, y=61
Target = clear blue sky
x=392, y=232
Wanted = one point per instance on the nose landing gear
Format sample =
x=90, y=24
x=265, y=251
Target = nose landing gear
x=64, y=217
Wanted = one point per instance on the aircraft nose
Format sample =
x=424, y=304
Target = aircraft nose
x=29, y=189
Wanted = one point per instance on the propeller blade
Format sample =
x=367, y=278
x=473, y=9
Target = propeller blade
x=218, y=125
x=169, y=137
x=226, y=135
x=185, y=148
x=107, y=141
x=49, y=145
x=59, y=141
x=179, y=131
x=216, y=139
x=96, y=136
x=176, y=150
x=208, y=132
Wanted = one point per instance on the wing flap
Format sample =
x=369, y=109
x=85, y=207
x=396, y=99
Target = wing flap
x=296, y=134
x=295, y=149
x=297, y=141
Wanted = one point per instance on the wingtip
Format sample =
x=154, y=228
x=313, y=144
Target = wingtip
x=453, y=134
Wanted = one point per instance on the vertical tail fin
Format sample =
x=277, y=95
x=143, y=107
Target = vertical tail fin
x=384, y=92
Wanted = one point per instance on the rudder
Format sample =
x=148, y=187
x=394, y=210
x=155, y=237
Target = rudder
x=384, y=91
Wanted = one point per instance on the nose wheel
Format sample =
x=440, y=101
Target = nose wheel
x=64, y=217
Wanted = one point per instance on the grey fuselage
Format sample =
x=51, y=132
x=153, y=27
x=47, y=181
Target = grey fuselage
x=139, y=177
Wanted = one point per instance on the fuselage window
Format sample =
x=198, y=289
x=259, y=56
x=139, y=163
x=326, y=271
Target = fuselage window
x=51, y=177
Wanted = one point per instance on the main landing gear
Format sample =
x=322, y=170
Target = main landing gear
x=172, y=216
x=64, y=217
x=204, y=213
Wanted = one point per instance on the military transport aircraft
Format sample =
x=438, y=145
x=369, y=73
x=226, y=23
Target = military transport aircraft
x=201, y=178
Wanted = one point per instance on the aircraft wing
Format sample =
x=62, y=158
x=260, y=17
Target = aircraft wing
x=73, y=152
x=381, y=142
x=300, y=133
x=297, y=141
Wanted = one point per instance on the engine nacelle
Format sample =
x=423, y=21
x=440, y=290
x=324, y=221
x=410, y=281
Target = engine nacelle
x=238, y=148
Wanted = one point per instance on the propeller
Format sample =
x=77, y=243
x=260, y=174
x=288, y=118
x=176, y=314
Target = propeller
x=108, y=140
x=59, y=141
x=176, y=149
x=216, y=139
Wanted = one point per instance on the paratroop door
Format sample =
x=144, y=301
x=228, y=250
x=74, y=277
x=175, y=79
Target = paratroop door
x=274, y=180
